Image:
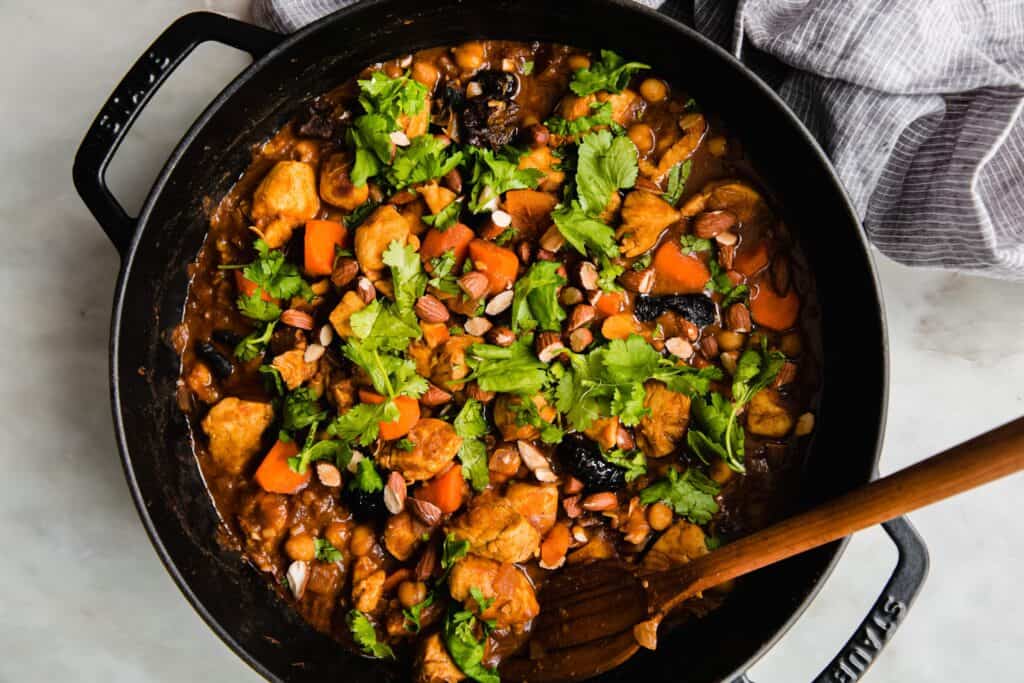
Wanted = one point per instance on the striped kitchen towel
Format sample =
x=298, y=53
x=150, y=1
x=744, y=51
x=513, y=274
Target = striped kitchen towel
x=918, y=103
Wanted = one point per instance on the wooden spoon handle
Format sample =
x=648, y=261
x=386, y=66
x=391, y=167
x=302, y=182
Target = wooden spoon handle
x=985, y=458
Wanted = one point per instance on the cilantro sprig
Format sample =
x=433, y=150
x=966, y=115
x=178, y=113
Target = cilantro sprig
x=494, y=173
x=610, y=73
x=470, y=424
x=691, y=495
x=365, y=636
x=535, y=301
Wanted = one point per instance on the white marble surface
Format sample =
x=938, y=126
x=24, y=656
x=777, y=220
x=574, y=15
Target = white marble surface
x=84, y=597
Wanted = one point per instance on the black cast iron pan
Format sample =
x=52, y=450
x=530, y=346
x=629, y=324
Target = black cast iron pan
x=156, y=247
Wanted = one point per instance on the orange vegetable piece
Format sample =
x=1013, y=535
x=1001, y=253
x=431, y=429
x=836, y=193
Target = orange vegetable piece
x=446, y=490
x=435, y=334
x=247, y=287
x=751, y=261
x=368, y=396
x=769, y=309
x=437, y=242
x=321, y=239
x=610, y=303
x=678, y=273
x=275, y=476
x=530, y=210
x=620, y=326
x=499, y=264
x=408, y=415
x=554, y=546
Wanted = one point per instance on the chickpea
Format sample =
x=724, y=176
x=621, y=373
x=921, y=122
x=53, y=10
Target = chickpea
x=337, y=533
x=411, y=593
x=425, y=73
x=362, y=540
x=300, y=548
x=653, y=90
x=642, y=136
x=577, y=62
x=717, y=146
x=730, y=341
x=470, y=56
x=659, y=516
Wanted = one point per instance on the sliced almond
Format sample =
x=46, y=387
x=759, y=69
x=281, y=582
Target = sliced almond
x=500, y=302
x=679, y=347
x=478, y=326
x=328, y=474
x=502, y=219
x=395, y=493
x=326, y=335
x=313, y=353
x=356, y=457
x=298, y=577
x=399, y=139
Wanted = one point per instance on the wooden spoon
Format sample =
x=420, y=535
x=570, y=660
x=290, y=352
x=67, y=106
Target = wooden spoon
x=592, y=615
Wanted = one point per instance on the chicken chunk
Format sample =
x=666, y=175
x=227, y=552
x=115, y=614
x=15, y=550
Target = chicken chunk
x=417, y=124
x=514, y=599
x=341, y=315
x=538, y=503
x=263, y=519
x=663, y=427
x=384, y=226
x=367, y=584
x=767, y=417
x=434, y=664
x=336, y=186
x=285, y=199
x=436, y=197
x=293, y=368
x=434, y=445
x=449, y=362
x=235, y=427
x=402, y=534
x=605, y=431
x=644, y=217
x=679, y=544
x=626, y=105
x=694, y=128
x=496, y=531
x=542, y=159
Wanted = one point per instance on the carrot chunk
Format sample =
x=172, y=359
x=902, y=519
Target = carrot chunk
x=771, y=310
x=446, y=490
x=751, y=261
x=408, y=415
x=322, y=237
x=499, y=264
x=678, y=273
x=437, y=242
x=275, y=476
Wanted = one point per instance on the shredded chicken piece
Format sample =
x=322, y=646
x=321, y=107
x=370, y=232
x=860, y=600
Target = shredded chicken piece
x=235, y=427
x=285, y=199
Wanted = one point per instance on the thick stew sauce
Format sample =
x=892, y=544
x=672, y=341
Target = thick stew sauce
x=479, y=313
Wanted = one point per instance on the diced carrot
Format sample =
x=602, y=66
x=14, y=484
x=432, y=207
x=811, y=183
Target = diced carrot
x=321, y=239
x=436, y=197
x=437, y=242
x=408, y=415
x=678, y=273
x=610, y=303
x=530, y=210
x=620, y=326
x=275, y=476
x=499, y=264
x=554, y=546
x=751, y=261
x=446, y=490
x=370, y=396
x=435, y=334
x=769, y=309
x=247, y=287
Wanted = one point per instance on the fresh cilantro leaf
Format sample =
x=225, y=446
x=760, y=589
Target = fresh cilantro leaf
x=610, y=73
x=253, y=306
x=691, y=495
x=634, y=462
x=535, y=301
x=712, y=542
x=441, y=269
x=677, y=178
x=314, y=450
x=606, y=164
x=378, y=326
x=405, y=445
x=326, y=552
x=452, y=551
x=425, y=158
x=496, y=173
x=370, y=137
x=755, y=370
x=643, y=262
x=509, y=369
x=721, y=283
x=365, y=636
x=602, y=116
x=362, y=422
x=386, y=100
x=466, y=651
x=392, y=97
x=607, y=275
x=354, y=219
x=584, y=232
x=274, y=382
x=470, y=424
x=525, y=412
x=367, y=479
x=446, y=217
x=412, y=614
x=301, y=409
x=254, y=343
x=482, y=603
x=506, y=236
x=737, y=294
x=410, y=282
x=692, y=244
x=391, y=375
x=528, y=67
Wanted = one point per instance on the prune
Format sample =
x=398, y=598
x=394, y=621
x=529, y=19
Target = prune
x=215, y=360
x=497, y=85
x=226, y=337
x=491, y=117
x=582, y=458
x=322, y=120
x=696, y=308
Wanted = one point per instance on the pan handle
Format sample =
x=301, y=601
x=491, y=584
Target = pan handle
x=131, y=96
x=885, y=616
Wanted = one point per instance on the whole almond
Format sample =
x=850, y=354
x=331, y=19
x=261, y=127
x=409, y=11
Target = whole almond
x=453, y=181
x=474, y=391
x=474, y=284
x=587, y=275
x=524, y=251
x=345, y=271
x=582, y=315
x=679, y=347
x=787, y=373
x=639, y=281
x=430, y=309
x=572, y=506
x=296, y=318
x=395, y=493
x=549, y=345
x=501, y=336
x=427, y=512
x=367, y=292
x=709, y=346
x=713, y=223
x=599, y=502
x=737, y=317
x=427, y=564
x=580, y=339
x=726, y=255
x=435, y=396
x=500, y=302
x=624, y=439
